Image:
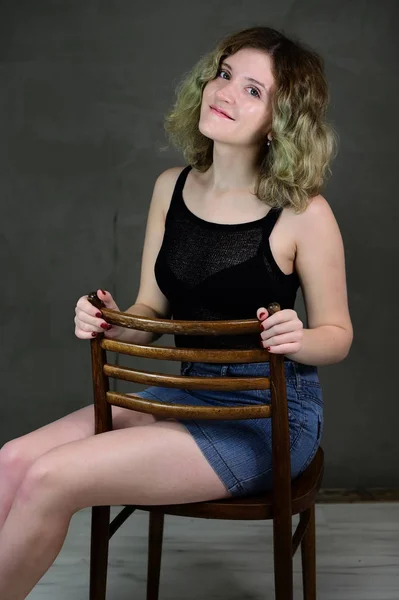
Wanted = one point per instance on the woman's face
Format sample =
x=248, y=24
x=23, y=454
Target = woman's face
x=242, y=90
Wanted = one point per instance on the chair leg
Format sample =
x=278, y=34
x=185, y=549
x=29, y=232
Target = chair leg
x=308, y=552
x=99, y=552
x=154, y=554
x=283, y=564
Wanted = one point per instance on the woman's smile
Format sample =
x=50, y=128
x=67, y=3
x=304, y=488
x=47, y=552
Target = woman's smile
x=220, y=113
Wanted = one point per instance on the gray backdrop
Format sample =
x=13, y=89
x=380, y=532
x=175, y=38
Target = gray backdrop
x=84, y=87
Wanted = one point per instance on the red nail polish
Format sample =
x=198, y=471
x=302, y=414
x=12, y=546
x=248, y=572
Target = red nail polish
x=268, y=348
x=104, y=325
x=109, y=327
x=103, y=292
x=261, y=326
x=93, y=334
x=99, y=315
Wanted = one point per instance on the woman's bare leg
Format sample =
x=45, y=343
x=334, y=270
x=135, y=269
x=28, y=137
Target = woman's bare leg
x=155, y=464
x=19, y=454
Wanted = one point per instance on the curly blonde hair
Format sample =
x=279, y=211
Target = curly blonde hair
x=296, y=164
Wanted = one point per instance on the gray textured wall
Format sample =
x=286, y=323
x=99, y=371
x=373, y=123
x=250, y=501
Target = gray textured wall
x=84, y=87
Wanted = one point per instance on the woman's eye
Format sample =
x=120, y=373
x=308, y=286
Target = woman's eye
x=257, y=94
x=221, y=72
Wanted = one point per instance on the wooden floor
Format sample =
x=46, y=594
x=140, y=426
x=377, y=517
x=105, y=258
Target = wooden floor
x=357, y=551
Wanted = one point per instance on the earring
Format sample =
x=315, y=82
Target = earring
x=268, y=142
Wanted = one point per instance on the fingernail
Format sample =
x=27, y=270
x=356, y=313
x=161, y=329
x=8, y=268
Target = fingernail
x=262, y=315
x=99, y=315
x=104, y=325
x=109, y=327
x=93, y=334
x=268, y=348
x=261, y=326
x=103, y=292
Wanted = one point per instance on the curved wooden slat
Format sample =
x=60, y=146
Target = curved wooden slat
x=187, y=382
x=186, y=354
x=187, y=411
x=235, y=327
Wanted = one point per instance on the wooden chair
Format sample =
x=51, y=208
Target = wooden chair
x=287, y=497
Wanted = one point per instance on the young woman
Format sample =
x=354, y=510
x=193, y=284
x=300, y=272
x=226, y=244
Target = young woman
x=244, y=224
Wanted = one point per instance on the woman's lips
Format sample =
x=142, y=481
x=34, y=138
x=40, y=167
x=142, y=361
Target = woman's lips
x=220, y=113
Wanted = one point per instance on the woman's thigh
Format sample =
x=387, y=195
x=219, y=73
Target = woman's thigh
x=76, y=426
x=155, y=464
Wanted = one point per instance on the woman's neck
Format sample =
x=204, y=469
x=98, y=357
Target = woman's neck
x=232, y=169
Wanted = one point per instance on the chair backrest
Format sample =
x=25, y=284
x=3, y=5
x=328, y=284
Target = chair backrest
x=277, y=410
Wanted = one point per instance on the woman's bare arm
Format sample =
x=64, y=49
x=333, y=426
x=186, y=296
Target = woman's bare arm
x=150, y=301
x=320, y=263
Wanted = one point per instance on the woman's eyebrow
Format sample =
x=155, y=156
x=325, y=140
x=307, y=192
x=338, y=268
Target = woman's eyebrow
x=248, y=78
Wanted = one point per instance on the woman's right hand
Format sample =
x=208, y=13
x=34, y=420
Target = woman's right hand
x=89, y=321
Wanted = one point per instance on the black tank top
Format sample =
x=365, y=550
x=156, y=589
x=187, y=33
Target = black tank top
x=210, y=271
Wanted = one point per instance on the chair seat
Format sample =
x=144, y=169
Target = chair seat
x=304, y=489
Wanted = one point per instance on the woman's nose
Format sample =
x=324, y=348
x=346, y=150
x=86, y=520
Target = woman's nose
x=226, y=93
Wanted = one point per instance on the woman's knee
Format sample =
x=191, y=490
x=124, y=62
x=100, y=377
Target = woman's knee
x=43, y=486
x=14, y=461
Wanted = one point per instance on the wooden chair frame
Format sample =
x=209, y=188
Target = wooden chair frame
x=286, y=498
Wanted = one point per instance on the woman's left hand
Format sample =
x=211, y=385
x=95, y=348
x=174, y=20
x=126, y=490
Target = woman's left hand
x=281, y=333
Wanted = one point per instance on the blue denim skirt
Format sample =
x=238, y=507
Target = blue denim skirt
x=240, y=452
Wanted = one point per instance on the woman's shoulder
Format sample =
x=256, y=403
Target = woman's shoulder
x=317, y=209
x=164, y=186
x=307, y=224
x=168, y=178
x=315, y=225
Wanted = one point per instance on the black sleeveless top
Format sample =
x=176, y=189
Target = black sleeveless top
x=211, y=271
